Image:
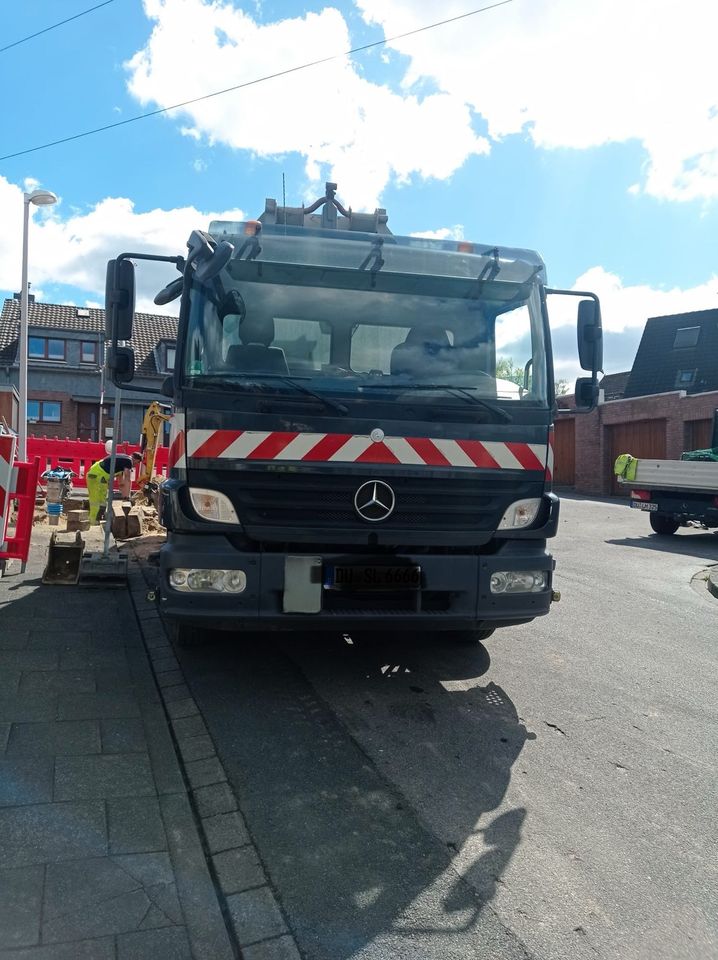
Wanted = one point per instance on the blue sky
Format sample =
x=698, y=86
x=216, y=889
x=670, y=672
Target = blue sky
x=549, y=125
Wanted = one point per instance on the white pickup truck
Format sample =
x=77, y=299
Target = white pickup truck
x=674, y=493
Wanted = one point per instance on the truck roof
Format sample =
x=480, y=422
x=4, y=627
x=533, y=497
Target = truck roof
x=299, y=235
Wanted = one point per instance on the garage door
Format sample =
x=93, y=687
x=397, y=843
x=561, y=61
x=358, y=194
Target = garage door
x=640, y=438
x=564, y=451
x=698, y=434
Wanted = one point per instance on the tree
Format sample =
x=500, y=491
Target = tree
x=506, y=369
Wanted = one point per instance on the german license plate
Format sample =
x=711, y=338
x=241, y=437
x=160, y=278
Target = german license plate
x=644, y=505
x=372, y=578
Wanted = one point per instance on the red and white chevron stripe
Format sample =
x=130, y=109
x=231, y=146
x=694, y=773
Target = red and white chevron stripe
x=353, y=448
x=7, y=480
x=176, y=454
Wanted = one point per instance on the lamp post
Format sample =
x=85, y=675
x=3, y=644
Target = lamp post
x=41, y=198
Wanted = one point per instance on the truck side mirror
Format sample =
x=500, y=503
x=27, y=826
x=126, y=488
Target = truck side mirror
x=590, y=336
x=119, y=299
x=121, y=365
x=586, y=394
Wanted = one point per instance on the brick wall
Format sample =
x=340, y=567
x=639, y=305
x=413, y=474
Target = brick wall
x=67, y=427
x=593, y=454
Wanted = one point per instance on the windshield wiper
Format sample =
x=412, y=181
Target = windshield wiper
x=461, y=392
x=225, y=383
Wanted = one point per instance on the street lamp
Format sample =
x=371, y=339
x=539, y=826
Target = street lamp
x=41, y=198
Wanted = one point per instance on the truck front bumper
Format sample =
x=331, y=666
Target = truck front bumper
x=455, y=589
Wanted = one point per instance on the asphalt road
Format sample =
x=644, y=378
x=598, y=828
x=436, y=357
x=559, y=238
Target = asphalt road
x=552, y=797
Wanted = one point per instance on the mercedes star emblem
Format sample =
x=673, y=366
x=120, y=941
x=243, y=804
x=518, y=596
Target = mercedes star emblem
x=374, y=501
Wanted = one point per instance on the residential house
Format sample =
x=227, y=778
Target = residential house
x=68, y=392
x=663, y=406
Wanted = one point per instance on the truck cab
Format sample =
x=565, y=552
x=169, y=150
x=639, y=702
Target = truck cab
x=362, y=428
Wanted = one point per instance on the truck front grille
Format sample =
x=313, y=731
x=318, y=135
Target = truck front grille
x=325, y=502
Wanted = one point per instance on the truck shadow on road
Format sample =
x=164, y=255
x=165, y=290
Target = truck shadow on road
x=701, y=545
x=370, y=772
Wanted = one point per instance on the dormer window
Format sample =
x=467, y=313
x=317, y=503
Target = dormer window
x=170, y=358
x=686, y=337
x=165, y=353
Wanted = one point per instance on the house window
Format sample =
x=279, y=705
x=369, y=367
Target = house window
x=170, y=353
x=45, y=348
x=685, y=378
x=88, y=351
x=44, y=411
x=686, y=337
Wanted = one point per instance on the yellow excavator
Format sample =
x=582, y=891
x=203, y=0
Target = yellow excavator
x=152, y=429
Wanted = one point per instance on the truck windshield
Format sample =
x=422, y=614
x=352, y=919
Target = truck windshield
x=351, y=335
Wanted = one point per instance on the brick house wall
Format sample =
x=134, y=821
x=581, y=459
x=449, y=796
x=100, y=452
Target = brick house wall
x=685, y=418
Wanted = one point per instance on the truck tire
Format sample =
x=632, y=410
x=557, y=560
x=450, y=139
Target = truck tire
x=663, y=525
x=472, y=636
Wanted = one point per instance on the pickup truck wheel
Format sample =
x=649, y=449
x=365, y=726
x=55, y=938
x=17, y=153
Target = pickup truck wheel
x=665, y=526
x=186, y=634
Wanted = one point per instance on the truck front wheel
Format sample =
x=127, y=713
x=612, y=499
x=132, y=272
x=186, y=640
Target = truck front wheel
x=665, y=526
x=472, y=636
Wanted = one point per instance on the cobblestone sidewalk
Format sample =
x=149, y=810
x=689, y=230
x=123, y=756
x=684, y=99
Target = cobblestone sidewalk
x=100, y=855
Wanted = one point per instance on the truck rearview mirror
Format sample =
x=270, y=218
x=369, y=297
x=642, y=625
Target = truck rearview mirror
x=119, y=299
x=121, y=365
x=586, y=394
x=590, y=336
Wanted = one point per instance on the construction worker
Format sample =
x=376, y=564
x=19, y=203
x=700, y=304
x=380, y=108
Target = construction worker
x=98, y=476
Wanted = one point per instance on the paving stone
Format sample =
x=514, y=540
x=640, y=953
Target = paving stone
x=89, y=778
x=20, y=905
x=47, y=638
x=123, y=736
x=80, y=885
x=4, y=735
x=23, y=708
x=135, y=825
x=164, y=897
x=218, y=798
x=15, y=634
x=28, y=660
x=196, y=748
x=57, y=738
x=58, y=681
x=182, y=708
x=109, y=916
x=25, y=781
x=193, y=726
x=255, y=915
x=163, y=663
x=148, y=869
x=103, y=949
x=239, y=869
x=154, y=919
x=283, y=948
x=204, y=772
x=170, y=943
x=113, y=680
x=170, y=678
x=9, y=682
x=179, y=692
x=93, y=659
x=88, y=706
x=225, y=831
x=52, y=831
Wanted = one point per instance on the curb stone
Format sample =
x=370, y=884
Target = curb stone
x=713, y=582
x=253, y=915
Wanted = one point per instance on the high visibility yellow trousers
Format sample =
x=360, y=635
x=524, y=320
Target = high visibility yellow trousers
x=96, y=479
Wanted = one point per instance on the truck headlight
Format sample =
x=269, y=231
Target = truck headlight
x=518, y=581
x=207, y=580
x=520, y=514
x=212, y=505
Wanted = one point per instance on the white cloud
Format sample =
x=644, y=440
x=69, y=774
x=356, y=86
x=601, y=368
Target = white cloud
x=74, y=250
x=624, y=311
x=442, y=233
x=580, y=75
x=359, y=133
